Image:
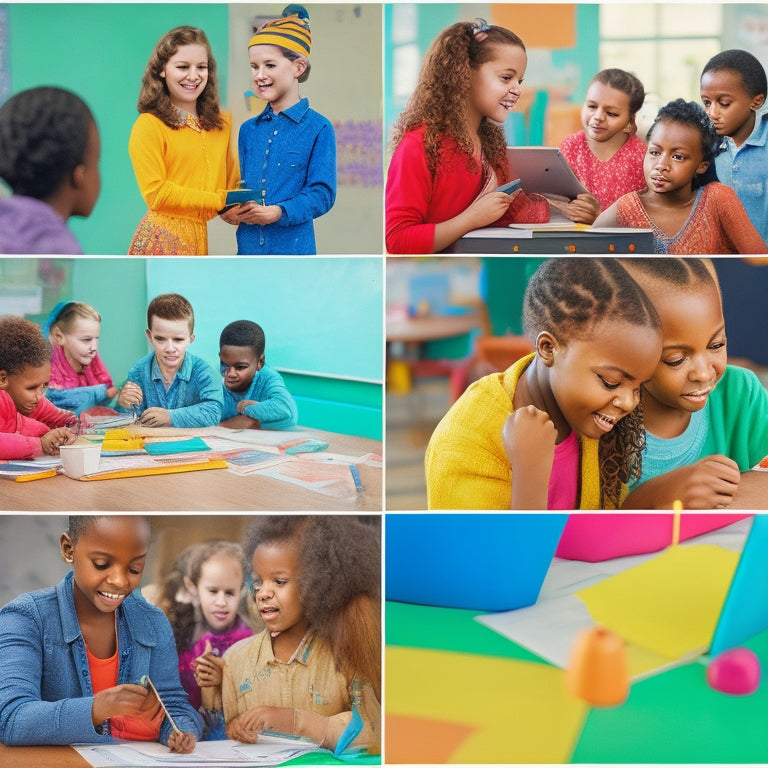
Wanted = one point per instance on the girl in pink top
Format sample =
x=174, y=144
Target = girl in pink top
x=607, y=155
x=30, y=425
x=79, y=379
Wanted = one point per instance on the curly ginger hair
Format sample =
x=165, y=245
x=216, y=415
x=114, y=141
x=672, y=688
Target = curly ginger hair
x=441, y=97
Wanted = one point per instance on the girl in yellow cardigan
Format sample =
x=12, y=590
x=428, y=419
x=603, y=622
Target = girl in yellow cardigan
x=180, y=147
x=560, y=428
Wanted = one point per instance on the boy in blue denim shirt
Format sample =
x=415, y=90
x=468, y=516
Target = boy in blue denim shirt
x=171, y=387
x=288, y=152
x=255, y=396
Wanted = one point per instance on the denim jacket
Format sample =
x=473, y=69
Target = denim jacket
x=46, y=694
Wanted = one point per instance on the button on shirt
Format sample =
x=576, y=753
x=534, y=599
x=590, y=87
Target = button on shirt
x=289, y=159
x=194, y=397
x=745, y=168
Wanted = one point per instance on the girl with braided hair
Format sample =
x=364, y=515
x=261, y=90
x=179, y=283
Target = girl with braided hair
x=560, y=428
x=688, y=209
x=315, y=671
x=49, y=157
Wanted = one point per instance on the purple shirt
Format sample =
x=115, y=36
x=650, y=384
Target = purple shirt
x=28, y=225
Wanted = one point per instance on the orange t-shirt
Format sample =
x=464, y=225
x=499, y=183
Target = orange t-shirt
x=103, y=676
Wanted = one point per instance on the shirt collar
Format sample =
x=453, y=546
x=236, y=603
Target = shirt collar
x=295, y=113
x=183, y=373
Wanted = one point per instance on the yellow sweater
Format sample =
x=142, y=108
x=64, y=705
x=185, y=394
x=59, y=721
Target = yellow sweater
x=466, y=464
x=183, y=172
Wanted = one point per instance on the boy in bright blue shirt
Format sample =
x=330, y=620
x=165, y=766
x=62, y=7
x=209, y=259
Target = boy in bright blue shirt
x=171, y=387
x=255, y=396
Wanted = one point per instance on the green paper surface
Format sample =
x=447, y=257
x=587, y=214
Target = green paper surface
x=447, y=629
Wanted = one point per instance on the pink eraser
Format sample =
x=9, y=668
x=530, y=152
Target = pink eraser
x=736, y=672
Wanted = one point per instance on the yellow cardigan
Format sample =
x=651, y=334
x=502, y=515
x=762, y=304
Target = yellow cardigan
x=183, y=172
x=466, y=464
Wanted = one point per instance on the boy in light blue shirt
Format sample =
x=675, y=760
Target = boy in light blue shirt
x=733, y=91
x=171, y=387
x=255, y=396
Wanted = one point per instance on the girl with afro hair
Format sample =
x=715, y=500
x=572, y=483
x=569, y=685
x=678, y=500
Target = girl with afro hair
x=315, y=671
x=30, y=424
x=689, y=211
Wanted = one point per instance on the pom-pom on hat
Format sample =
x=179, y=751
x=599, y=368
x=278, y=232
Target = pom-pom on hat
x=290, y=31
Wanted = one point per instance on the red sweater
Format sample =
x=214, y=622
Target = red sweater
x=20, y=435
x=416, y=200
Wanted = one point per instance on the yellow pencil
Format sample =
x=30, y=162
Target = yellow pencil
x=36, y=476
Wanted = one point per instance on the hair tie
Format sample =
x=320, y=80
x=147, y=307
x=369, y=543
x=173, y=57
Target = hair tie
x=480, y=29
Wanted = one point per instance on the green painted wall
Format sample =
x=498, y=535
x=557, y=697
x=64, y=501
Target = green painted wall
x=100, y=50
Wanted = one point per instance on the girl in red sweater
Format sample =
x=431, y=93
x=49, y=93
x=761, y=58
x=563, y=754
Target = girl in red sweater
x=450, y=151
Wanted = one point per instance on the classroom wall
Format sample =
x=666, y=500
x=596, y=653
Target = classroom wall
x=100, y=51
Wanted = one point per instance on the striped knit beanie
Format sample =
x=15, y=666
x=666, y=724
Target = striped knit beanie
x=290, y=31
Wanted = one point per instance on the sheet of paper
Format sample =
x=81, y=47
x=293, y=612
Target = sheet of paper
x=260, y=437
x=334, y=480
x=559, y=607
x=669, y=604
x=504, y=709
x=269, y=750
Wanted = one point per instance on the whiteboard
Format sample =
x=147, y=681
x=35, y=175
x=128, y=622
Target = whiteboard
x=320, y=315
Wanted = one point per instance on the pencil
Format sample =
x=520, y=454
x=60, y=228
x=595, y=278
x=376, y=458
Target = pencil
x=36, y=476
x=677, y=506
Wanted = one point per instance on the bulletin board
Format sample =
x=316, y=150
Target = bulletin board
x=321, y=316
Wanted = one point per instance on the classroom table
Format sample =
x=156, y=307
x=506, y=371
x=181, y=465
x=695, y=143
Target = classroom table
x=505, y=240
x=67, y=757
x=41, y=757
x=418, y=330
x=207, y=490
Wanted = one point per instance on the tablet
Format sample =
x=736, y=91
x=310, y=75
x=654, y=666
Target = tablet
x=543, y=170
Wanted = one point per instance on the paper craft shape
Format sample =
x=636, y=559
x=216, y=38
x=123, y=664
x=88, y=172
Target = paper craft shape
x=605, y=536
x=513, y=552
x=510, y=711
x=176, y=446
x=745, y=611
x=669, y=604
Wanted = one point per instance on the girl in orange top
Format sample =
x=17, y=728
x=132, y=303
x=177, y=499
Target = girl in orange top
x=180, y=147
x=689, y=211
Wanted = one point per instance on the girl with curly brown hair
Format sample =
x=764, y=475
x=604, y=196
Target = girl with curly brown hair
x=315, y=671
x=450, y=149
x=180, y=146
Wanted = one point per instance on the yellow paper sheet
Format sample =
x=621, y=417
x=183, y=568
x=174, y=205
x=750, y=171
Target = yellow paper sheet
x=514, y=711
x=669, y=604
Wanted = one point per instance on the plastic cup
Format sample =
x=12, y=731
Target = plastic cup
x=79, y=460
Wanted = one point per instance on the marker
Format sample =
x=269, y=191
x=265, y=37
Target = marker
x=356, y=477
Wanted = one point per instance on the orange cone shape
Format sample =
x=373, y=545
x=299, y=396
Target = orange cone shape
x=597, y=668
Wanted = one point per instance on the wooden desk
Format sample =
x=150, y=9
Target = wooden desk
x=208, y=490
x=41, y=757
x=417, y=330
x=553, y=243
